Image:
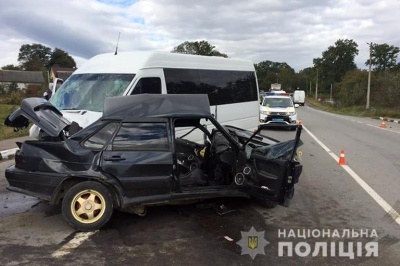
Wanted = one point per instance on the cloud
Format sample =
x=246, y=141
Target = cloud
x=290, y=31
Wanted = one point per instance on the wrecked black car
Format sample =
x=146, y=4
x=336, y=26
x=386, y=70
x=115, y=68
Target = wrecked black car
x=146, y=150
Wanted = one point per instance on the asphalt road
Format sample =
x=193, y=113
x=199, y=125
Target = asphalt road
x=326, y=198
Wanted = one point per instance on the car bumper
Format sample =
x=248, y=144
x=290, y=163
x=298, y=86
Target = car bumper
x=37, y=184
x=279, y=120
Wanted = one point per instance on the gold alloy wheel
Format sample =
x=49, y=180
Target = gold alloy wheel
x=88, y=206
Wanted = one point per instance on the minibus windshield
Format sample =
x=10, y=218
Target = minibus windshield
x=88, y=91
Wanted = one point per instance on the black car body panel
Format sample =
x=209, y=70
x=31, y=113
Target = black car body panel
x=135, y=152
x=153, y=105
x=41, y=113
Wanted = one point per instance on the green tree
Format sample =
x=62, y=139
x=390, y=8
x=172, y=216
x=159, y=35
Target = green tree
x=3, y=90
x=305, y=77
x=383, y=56
x=352, y=89
x=11, y=67
x=269, y=72
x=197, y=48
x=61, y=58
x=336, y=61
x=392, y=89
x=385, y=88
x=34, y=57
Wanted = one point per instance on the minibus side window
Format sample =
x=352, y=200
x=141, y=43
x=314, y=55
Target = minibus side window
x=221, y=86
x=148, y=85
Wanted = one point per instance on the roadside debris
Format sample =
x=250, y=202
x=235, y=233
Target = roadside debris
x=228, y=238
x=222, y=210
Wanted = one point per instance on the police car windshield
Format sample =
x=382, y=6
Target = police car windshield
x=88, y=91
x=277, y=102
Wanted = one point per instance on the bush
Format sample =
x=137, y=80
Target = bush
x=8, y=132
x=353, y=88
x=15, y=98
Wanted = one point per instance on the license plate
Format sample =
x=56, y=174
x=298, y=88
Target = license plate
x=277, y=119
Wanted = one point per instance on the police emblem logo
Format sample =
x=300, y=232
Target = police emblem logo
x=252, y=243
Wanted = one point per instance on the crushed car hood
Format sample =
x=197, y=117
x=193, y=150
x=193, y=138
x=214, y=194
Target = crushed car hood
x=41, y=113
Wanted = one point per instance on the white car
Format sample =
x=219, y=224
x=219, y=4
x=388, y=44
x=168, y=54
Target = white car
x=279, y=110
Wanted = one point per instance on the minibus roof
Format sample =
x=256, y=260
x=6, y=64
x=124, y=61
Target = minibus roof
x=132, y=62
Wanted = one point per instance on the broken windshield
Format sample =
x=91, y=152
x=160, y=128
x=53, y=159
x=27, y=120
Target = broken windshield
x=88, y=91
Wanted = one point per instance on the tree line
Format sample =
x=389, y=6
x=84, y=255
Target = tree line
x=34, y=57
x=37, y=57
x=335, y=68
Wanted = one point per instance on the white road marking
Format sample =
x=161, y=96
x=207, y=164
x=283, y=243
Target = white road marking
x=360, y=122
x=383, y=128
x=78, y=239
x=389, y=209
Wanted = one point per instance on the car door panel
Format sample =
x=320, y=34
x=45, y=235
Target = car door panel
x=270, y=174
x=274, y=170
x=140, y=158
x=140, y=172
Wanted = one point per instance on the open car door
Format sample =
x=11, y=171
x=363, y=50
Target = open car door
x=274, y=170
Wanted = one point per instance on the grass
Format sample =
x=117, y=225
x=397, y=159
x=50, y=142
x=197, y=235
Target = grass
x=374, y=112
x=8, y=132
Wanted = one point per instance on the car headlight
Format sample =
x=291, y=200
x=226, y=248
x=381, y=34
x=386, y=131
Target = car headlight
x=265, y=112
x=291, y=113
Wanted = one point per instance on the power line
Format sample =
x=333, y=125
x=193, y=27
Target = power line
x=106, y=14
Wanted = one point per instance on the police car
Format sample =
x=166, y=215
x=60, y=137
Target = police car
x=279, y=109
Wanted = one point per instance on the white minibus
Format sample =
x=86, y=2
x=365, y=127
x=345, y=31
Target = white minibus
x=299, y=97
x=230, y=84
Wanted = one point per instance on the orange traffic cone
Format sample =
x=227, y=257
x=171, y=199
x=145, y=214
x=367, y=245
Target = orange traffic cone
x=300, y=123
x=342, y=160
x=383, y=124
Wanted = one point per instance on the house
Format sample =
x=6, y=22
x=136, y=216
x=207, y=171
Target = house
x=19, y=76
x=60, y=72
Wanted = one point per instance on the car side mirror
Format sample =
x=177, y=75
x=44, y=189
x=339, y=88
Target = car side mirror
x=296, y=105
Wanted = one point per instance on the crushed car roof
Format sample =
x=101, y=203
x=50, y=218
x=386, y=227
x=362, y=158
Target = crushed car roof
x=156, y=105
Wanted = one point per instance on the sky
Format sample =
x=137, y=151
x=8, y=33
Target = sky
x=291, y=31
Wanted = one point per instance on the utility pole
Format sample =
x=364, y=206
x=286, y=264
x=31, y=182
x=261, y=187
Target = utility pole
x=369, y=76
x=316, y=87
x=330, y=99
x=305, y=88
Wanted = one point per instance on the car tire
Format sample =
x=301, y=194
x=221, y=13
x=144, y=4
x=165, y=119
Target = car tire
x=87, y=206
x=267, y=203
